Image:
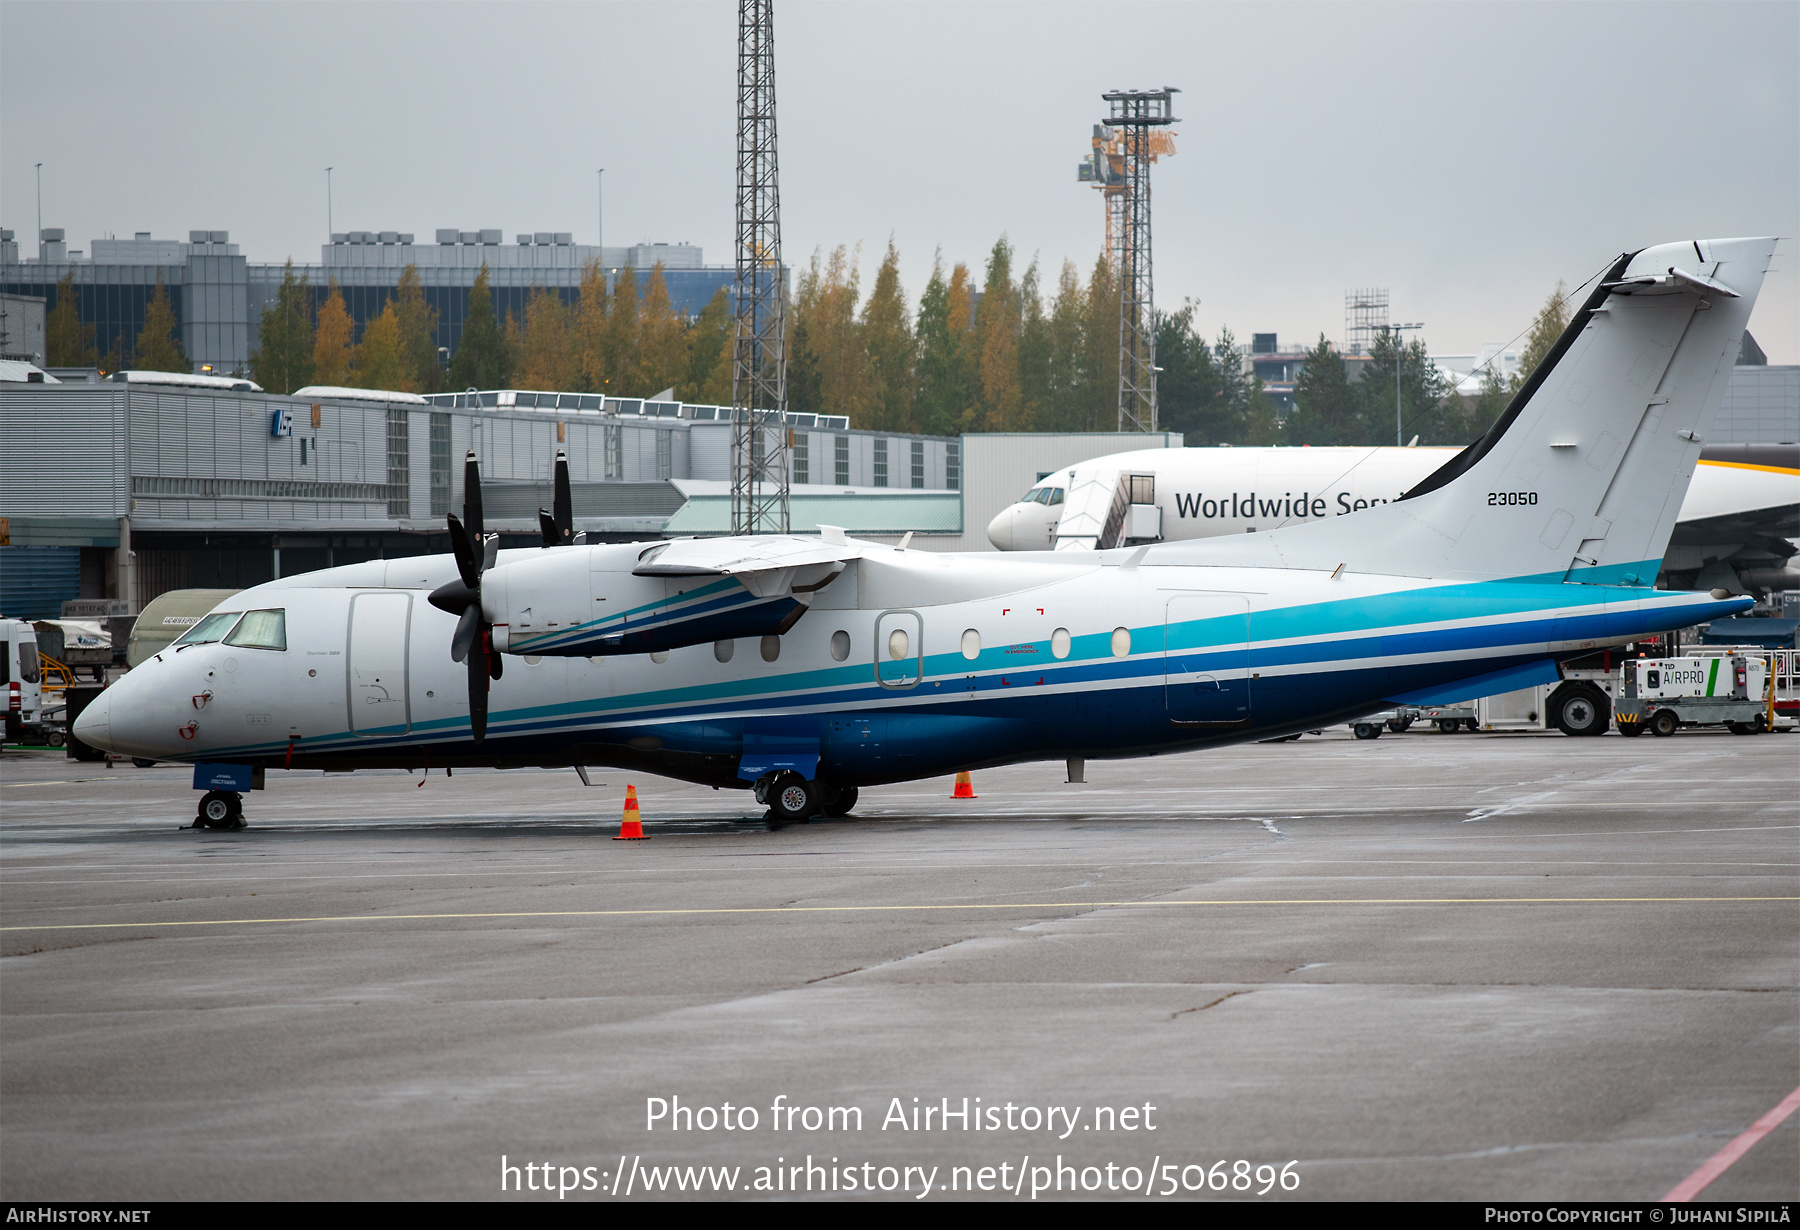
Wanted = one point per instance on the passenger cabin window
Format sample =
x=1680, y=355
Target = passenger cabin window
x=260, y=630
x=212, y=628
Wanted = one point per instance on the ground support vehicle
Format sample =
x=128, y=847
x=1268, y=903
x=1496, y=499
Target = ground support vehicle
x=1397, y=720
x=1783, y=711
x=1663, y=694
x=1581, y=703
x=20, y=676
x=1450, y=718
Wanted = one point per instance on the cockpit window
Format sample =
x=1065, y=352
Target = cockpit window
x=212, y=628
x=261, y=630
x=1056, y=496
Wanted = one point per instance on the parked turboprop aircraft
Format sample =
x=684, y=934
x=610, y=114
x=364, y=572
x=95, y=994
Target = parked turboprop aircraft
x=808, y=667
x=1732, y=531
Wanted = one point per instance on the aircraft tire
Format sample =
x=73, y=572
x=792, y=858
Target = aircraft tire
x=221, y=809
x=143, y=762
x=1367, y=730
x=793, y=799
x=841, y=805
x=1580, y=710
x=1663, y=723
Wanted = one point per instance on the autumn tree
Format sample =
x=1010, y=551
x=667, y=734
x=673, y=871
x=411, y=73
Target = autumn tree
x=941, y=336
x=1034, y=351
x=999, y=402
x=1060, y=406
x=548, y=360
x=158, y=349
x=1099, y=399
x=888, y=342
x=588, y=332
x=380, y=361
x=827, y=337
x=619, y=350
x=68, y=342
x=1548, y=326
x=662, y=340
x=709, y=358
x=333, y=354
x=283, y=358
x=418, y=322
x=483, y=358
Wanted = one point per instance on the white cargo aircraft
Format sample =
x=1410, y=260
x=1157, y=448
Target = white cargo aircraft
x=808, y=667
x=1732, y=532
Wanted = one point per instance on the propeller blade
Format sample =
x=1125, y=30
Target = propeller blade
x=564, y=502
x=467, y=564
x=490, y=551
x=472, y=495
x=547, y=527
x=467, y=629
x=478, y=691
x=496, y=663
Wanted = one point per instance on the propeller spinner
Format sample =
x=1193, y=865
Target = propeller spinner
x=473, y=640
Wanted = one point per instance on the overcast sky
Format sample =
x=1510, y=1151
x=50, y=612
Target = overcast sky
x=1465, y=156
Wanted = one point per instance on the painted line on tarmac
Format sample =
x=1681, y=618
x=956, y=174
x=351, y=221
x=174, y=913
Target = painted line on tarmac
x=878, y=909
x=1722, y=1161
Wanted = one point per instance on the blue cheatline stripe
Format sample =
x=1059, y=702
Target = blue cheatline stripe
x=1493, y=683
x=1091, y=662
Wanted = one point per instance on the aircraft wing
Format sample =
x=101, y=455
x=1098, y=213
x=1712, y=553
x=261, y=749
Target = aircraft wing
x=766, y=564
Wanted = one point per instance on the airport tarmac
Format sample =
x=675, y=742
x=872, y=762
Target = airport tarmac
x=1495, y=967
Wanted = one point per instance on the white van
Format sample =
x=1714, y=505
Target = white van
x=19, y=674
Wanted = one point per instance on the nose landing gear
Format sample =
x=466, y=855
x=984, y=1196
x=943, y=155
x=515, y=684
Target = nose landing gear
x=220, y=809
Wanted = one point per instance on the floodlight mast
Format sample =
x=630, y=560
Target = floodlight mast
x=1135, y=113
x=759, y=438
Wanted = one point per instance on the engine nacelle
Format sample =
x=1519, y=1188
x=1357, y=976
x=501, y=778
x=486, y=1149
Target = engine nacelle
x=587, y=602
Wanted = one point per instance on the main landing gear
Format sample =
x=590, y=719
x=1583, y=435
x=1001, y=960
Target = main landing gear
x=792, y=799
x=220, y=809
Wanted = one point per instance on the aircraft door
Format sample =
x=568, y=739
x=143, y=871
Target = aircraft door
x=1206, y=660
x=379, y=628
x=899, y=649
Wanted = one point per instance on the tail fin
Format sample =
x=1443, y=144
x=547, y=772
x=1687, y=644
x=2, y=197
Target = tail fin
x=1583, y=476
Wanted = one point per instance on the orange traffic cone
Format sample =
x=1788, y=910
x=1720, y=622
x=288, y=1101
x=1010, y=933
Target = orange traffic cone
x=633, y=828
x=965, y=789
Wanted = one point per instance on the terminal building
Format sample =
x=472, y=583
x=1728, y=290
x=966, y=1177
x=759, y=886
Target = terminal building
x=217, y=294
x=127, y=488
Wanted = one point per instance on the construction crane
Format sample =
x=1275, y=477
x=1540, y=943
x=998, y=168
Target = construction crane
x=1125, y=145
x=759, y=437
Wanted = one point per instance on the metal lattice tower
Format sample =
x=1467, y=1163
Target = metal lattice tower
x=1134, y=114
x=1365, y=317
x=759, y=469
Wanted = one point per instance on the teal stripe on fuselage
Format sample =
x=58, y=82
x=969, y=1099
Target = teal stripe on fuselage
x=1090, y=661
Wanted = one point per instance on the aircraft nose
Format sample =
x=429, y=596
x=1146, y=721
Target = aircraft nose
x=1000, y=529
x=94, y=726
